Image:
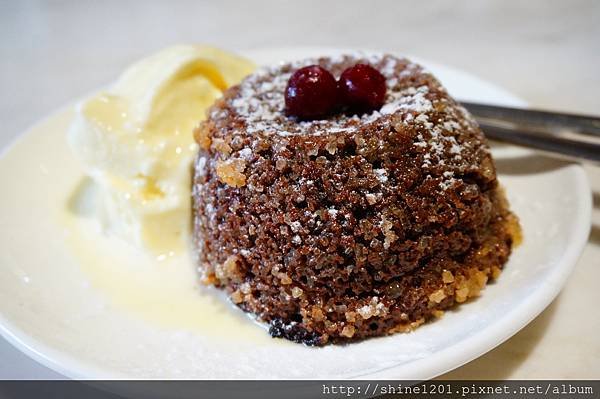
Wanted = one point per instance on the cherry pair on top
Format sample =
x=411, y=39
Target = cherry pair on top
x=313, y=93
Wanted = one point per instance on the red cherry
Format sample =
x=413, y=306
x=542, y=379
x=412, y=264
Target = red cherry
x=311, y=93
x=362, y=88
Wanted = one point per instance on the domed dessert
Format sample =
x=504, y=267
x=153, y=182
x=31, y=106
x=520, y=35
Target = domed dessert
x=341, y=226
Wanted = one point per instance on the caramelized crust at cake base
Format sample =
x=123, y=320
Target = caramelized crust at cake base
x=398, y=304
x=410, y=300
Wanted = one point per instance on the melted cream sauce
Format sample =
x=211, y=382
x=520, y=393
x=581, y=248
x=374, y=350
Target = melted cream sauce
x=162, y=289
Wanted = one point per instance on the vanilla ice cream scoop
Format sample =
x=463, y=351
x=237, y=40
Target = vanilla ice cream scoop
x=135, y=140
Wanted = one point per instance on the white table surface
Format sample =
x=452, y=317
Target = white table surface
x=546, y=52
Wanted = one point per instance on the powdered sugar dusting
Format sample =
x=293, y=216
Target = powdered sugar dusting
x=411, y=102
x=261, y=102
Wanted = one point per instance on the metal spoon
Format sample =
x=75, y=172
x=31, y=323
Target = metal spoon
x=576, y=137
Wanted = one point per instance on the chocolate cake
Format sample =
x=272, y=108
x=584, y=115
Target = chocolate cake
x=350, y=226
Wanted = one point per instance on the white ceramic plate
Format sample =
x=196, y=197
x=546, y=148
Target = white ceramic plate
x=87, y=307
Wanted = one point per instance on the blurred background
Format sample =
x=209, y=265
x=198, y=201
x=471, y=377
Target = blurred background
x=545, y=51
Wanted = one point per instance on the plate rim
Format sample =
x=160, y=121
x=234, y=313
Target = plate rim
x=446, y=359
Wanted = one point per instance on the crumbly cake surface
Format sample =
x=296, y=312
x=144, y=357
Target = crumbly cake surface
x=353, y=226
